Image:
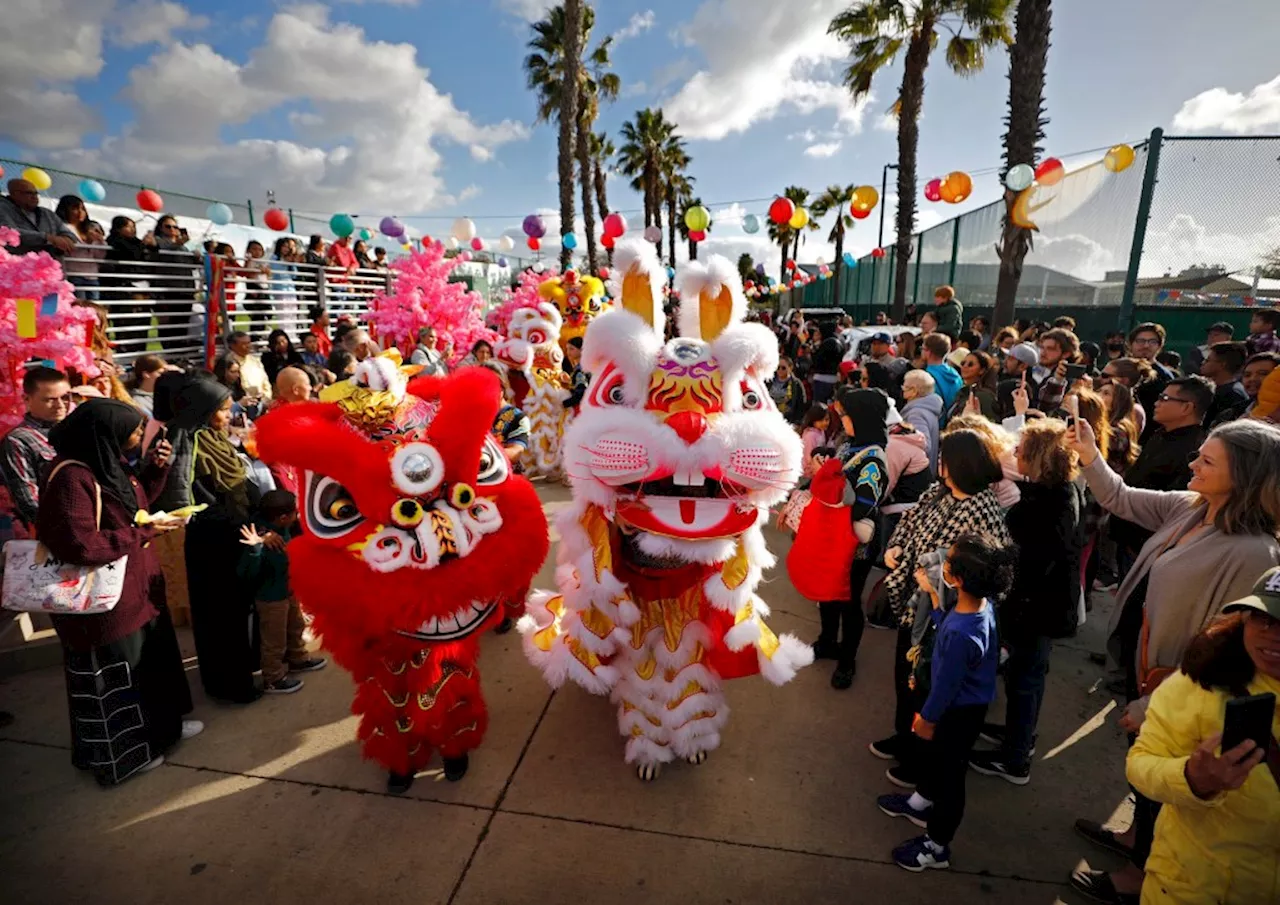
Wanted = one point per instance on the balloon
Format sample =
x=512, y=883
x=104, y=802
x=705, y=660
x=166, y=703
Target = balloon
x=849, y=259
x=219, y=213
x=38, y=177
x=1, y=172
x=465, y=256
x=956, y=187
x=748, y=285
x=276, y=219
x=533, y=227
x=1050, y=171
x=365, y=233
x=1118, y=159
x=790, y=265
x=877, y=252
x=615, y=225
x=1019, y=177
x=390, y=226
x=865, y=198
x=751, y=224
x=534, y=243
x=652, y=234
x=506, y=243
x=697, y=218
x=463, y=230
x=477, y=244
x=859, y=213
x=933, y=190
x=604, y=273
x=781, y=211
x=760, y=269
x=90, y=189
x=502, y=262
x=150, y=201
x=800, y=219
x=607, y=241
x=342, y=225
x=671, y=272
x=697, y=235
x=569, y=241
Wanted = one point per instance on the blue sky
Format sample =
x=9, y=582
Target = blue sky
x=420, y=107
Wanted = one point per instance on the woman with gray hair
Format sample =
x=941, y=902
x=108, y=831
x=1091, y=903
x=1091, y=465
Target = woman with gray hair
x=1211, y=542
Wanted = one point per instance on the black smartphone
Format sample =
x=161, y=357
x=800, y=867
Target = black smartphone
x=1249, y=718
x=1075, y=372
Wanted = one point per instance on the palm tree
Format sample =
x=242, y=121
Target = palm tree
x=598, y=85
x=1028, y=56
x=602, y=153
x=746, y=267
x=648, y=141
x=876, y=32
x=678, y=190
x=836, y=198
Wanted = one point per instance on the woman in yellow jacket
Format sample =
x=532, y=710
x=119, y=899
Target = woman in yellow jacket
x=1217, y=838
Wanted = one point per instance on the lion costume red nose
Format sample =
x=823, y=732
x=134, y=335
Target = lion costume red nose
x=689, y=426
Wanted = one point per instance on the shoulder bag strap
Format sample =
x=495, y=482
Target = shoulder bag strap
x=97, y=489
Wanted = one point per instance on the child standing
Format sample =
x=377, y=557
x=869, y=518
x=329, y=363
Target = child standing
x=813, y=435
x=265, y=566
x=965, y=655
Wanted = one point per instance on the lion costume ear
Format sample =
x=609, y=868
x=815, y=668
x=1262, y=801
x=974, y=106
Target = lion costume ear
x=638, y=282
x=711, y=298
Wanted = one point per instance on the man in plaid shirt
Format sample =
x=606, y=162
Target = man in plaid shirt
x=26, y=449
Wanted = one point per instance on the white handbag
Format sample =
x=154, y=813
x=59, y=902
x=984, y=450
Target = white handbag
x=35, y=581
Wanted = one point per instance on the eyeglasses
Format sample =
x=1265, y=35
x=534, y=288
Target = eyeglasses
x=1146, y=341
x=1165, y=397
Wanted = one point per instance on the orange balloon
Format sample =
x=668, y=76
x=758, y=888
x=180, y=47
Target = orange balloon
x=956, y=187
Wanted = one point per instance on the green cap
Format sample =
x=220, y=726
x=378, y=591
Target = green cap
x=1265, y=596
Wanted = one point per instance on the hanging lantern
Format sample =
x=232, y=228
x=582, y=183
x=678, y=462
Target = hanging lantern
x=276, y=219
x=1118, y=159
x=781, y=211
x=1050, y=171
x=800, y=219
x=877, y=252
x=956, y=187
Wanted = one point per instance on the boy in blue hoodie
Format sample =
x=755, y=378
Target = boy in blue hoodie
x=265, y=566
x=966, y=653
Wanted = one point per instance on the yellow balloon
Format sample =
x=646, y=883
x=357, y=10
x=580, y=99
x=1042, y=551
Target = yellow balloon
x=800, y=219
x=37, y=177
x=865, y=197
x=1118, y=159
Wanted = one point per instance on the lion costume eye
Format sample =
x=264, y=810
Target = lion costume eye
x=417, y=468
x=331, y=509
x=752, y=399
x=493, y=465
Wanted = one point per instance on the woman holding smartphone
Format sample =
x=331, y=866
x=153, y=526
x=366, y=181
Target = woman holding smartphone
x=1216, y=839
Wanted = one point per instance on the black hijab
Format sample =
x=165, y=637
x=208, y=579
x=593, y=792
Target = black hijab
x=867, y=410
x=95, y=433
x=194, y=402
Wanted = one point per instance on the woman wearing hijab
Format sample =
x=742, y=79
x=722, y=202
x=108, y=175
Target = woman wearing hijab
x=125, y=661
x=222, y=608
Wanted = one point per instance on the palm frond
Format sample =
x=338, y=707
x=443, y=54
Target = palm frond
x=965, y=56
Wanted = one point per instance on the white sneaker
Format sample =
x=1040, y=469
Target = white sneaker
x=157, y=762
x=191, y=728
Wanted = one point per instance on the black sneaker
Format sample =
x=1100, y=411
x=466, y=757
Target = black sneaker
x=312, y=664
x=888, y=748
x=994, y=734
x=825, y=650
x=287, y=685
x=398, y=783
x=992, y=763
x=505, y=626
x=455, y=767
x=842, y=678
x=901, y=777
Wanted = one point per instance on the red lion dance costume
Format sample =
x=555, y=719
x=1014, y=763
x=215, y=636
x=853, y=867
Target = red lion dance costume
x=414, y=533
x=674, y=459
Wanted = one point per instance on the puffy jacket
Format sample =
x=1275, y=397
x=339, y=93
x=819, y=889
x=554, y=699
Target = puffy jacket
x=1223, y=851
x=1046, y=526
x=907, y=454
x=923, y=414
x=950, y=317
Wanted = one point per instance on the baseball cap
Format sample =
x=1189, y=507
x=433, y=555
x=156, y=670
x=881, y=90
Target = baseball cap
x=1221, y=327
x=882, y=337
x=1265, y=596
x=1026, y=353
x=958, y=356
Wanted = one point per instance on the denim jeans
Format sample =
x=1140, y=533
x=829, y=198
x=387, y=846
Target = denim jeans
x=1024, y=681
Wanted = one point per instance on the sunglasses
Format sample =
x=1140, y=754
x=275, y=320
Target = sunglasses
x=1165, y=397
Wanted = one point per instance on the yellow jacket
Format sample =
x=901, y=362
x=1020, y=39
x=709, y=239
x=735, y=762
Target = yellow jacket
x=1224, y=851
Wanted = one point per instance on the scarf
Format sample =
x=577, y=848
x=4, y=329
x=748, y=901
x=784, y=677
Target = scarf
x=218, y=461
x=95, y=433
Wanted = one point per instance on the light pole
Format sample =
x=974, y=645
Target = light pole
x=884, y=188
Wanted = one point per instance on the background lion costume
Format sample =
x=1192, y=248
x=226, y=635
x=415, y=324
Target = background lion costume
x=406, y=504
x=674, y=460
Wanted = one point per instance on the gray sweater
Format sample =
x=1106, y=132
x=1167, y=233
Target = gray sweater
x=1190, y=583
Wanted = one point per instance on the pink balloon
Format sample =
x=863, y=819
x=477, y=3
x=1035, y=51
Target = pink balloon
x=615, y=225
x=465, y=256
x=477, y=243
x=933, y=190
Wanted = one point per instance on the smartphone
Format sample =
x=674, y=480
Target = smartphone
x=1249, y=718
x=1075, y=372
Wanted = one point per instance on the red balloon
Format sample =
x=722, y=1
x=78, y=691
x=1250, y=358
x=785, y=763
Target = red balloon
x=276, y=219
x=150, y=201
x=748, y=285
x=859, y=214
x=607, y=241
x=781, y=211
x=791, y=265
x=604, y=273
x=615, y=225
x=697, y=235
x=534, y=243
x=877, y=253
x=933, y=190
x=1050, y=171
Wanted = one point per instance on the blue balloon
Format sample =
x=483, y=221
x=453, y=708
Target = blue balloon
x=502, y=262
x=760, y=269
x=219, y=213
x=91, y=190
x=569, y=241
x=751, y=224
x=850, y=260
x=671, y=272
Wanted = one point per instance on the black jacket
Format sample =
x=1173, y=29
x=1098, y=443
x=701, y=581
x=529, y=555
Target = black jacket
x=1163, y=464
x=1046, y=524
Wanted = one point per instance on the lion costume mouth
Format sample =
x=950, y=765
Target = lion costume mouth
x=465, y=621
x=686, y=509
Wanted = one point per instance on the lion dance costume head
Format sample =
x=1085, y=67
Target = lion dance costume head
x=414, y=536
x=580, y=299
x=674, y=460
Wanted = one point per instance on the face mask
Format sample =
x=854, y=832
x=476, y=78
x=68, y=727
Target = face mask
x=947, y=583
x=1116, y=347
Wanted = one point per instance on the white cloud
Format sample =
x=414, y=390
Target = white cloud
x=529, y=10
x=638, y=24
x=886, y=122
x=635, y=89
x=153, y=22
x=762, y=58
x=827, y=149
x=807, y=136
x=1232, y=111
x=352, y=147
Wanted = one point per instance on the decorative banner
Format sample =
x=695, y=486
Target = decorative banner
x=26, y=311
x=37, y=177
x=92, y=190
x=276, y=219
x=219, y=214
x=1019, y=177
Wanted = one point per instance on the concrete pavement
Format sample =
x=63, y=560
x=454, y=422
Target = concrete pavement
x=273, y=804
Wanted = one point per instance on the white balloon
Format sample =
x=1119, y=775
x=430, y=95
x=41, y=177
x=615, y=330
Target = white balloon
x=463, y=229
x=506, y=243
x=652, y=234
x=1019, y=177
x=453, y=243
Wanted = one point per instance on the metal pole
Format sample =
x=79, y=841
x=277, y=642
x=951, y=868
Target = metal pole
x=915, y=286
x=1140, y=228
x=955, y=252
x=292, y=228
x=249, y=202
x=884, y=188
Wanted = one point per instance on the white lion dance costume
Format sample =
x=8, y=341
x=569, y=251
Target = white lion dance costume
x=533, y=358
x=674, y=460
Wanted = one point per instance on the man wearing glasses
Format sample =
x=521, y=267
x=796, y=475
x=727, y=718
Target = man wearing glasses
x=26, y=449
x=1145, y=342
x=39, y=229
